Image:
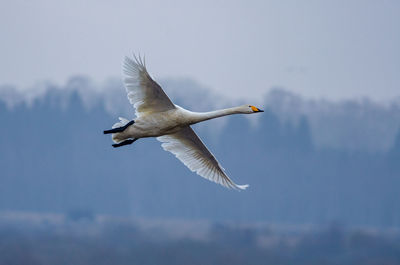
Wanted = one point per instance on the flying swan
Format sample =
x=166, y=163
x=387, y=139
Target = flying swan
x=157, y=116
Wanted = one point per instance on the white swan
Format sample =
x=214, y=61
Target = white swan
x=157, y=116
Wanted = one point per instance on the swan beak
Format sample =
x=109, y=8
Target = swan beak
x=256, y=109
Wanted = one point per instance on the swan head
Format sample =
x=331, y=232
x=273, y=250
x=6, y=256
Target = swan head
x=249, y=109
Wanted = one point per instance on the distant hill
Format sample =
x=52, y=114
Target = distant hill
x=305, y=161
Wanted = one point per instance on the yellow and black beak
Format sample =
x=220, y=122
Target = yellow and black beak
x=256, y=109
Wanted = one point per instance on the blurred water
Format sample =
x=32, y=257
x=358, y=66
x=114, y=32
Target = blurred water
x=29, y=238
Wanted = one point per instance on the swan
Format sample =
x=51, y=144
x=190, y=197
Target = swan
x=157, y=116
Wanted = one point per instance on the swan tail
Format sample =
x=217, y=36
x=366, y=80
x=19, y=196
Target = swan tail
x=118, y=137
x=122, y=122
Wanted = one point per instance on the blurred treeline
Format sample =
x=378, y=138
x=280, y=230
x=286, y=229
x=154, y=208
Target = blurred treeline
x=54, y=158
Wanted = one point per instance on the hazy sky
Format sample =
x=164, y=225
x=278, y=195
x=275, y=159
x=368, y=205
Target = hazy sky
x=333, y=49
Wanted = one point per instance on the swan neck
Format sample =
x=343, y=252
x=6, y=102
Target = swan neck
x=203, y=116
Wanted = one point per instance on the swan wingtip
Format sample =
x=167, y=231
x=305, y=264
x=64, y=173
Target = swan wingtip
x=242, y=187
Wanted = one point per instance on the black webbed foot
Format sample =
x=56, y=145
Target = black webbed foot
x=119, y=129
x=126, y=142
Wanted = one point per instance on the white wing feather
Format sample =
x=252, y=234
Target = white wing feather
x=191, y=151
x=143, y=92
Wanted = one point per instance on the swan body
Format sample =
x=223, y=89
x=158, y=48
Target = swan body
x=157, y=116
x=170, y=121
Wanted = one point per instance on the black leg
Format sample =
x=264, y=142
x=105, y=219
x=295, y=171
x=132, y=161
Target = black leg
x=126, y=142
x=119, y=129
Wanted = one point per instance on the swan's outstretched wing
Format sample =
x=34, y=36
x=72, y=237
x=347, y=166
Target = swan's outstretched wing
x=191, y=151
x=143, y=92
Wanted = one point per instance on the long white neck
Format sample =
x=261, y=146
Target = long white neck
x=196, y=117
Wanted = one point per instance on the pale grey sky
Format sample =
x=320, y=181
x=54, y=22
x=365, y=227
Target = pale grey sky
x=331, y=49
